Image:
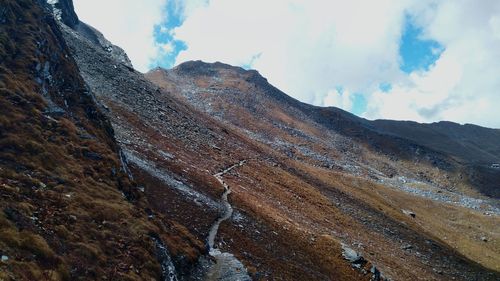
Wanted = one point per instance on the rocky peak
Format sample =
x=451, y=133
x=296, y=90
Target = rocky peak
x=201, y=68
x=64, y=11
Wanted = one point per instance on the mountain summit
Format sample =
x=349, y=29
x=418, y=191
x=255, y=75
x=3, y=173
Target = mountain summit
x=208, y=172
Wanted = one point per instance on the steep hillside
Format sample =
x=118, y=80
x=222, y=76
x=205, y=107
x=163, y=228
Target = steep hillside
x=68, y=209
x=175, y=151
x=243, y=98
x=323, y=145
x=476, y=148
x=469, y=143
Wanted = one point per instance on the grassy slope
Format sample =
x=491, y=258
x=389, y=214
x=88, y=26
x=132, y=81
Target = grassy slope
x=63, y=215
x=307, y=205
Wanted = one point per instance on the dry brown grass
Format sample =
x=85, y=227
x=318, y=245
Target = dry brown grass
x=458, y=227
x=62, y=212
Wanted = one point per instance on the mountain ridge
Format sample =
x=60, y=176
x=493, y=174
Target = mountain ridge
x=437, y=138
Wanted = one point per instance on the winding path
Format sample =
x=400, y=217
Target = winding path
x=227, y=267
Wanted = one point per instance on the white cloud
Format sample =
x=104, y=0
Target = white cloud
x=339, y=98
x=128, y=24
x=309, y=48
x=464, y=84
x=167, y=47
x=306, y=47
x=417, y=96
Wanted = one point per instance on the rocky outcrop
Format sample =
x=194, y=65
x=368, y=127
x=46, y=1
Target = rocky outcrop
x=96, y=37
x=360, y=263
x=63, y=10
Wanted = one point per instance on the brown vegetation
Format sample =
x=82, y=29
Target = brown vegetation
x=63, y=213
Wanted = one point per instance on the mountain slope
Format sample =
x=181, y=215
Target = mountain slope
x=174, y=151
x=321, y=145
x=68, y=210
x=244, y=98
x=469, y=143
x=210, y=173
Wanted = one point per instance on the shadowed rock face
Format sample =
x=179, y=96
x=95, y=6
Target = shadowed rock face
x=68, y=15
x=61, y=10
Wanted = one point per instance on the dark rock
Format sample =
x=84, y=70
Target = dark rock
x=73, y=218
x=20, y=220
x=54, y=111
x=407, y=247
x=92, y=155
x=150, y=213
x=376, y=276
x=167, y=267
x=67, y=12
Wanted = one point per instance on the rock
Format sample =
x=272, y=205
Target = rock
x=97, y=38
x=407, y=247
x=163, y=255
x=227, y=268
x=64, y=11
x=166, y=155
x=438, y=271
x=409, y=213
x=484, y=239
x=92, y=155
x=150, y=213
x=376, y=276
x=349, y=254
x=54, y=111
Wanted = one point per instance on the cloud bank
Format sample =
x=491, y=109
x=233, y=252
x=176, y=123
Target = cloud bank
x=331, y=53
x=311, y=49
x=463, y=85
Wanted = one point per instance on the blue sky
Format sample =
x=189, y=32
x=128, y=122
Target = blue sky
x=422, y=60
x=417, y=53
x=162, y=34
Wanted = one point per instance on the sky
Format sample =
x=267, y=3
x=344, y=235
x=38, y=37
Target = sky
x=420, y=60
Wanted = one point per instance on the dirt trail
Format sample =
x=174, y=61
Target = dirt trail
x=227, y=267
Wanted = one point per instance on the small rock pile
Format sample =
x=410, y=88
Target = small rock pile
x=360, y=263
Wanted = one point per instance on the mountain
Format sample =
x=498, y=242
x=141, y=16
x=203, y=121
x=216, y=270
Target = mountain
x=465, y=151
x=208, y=172
x=69, y=210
